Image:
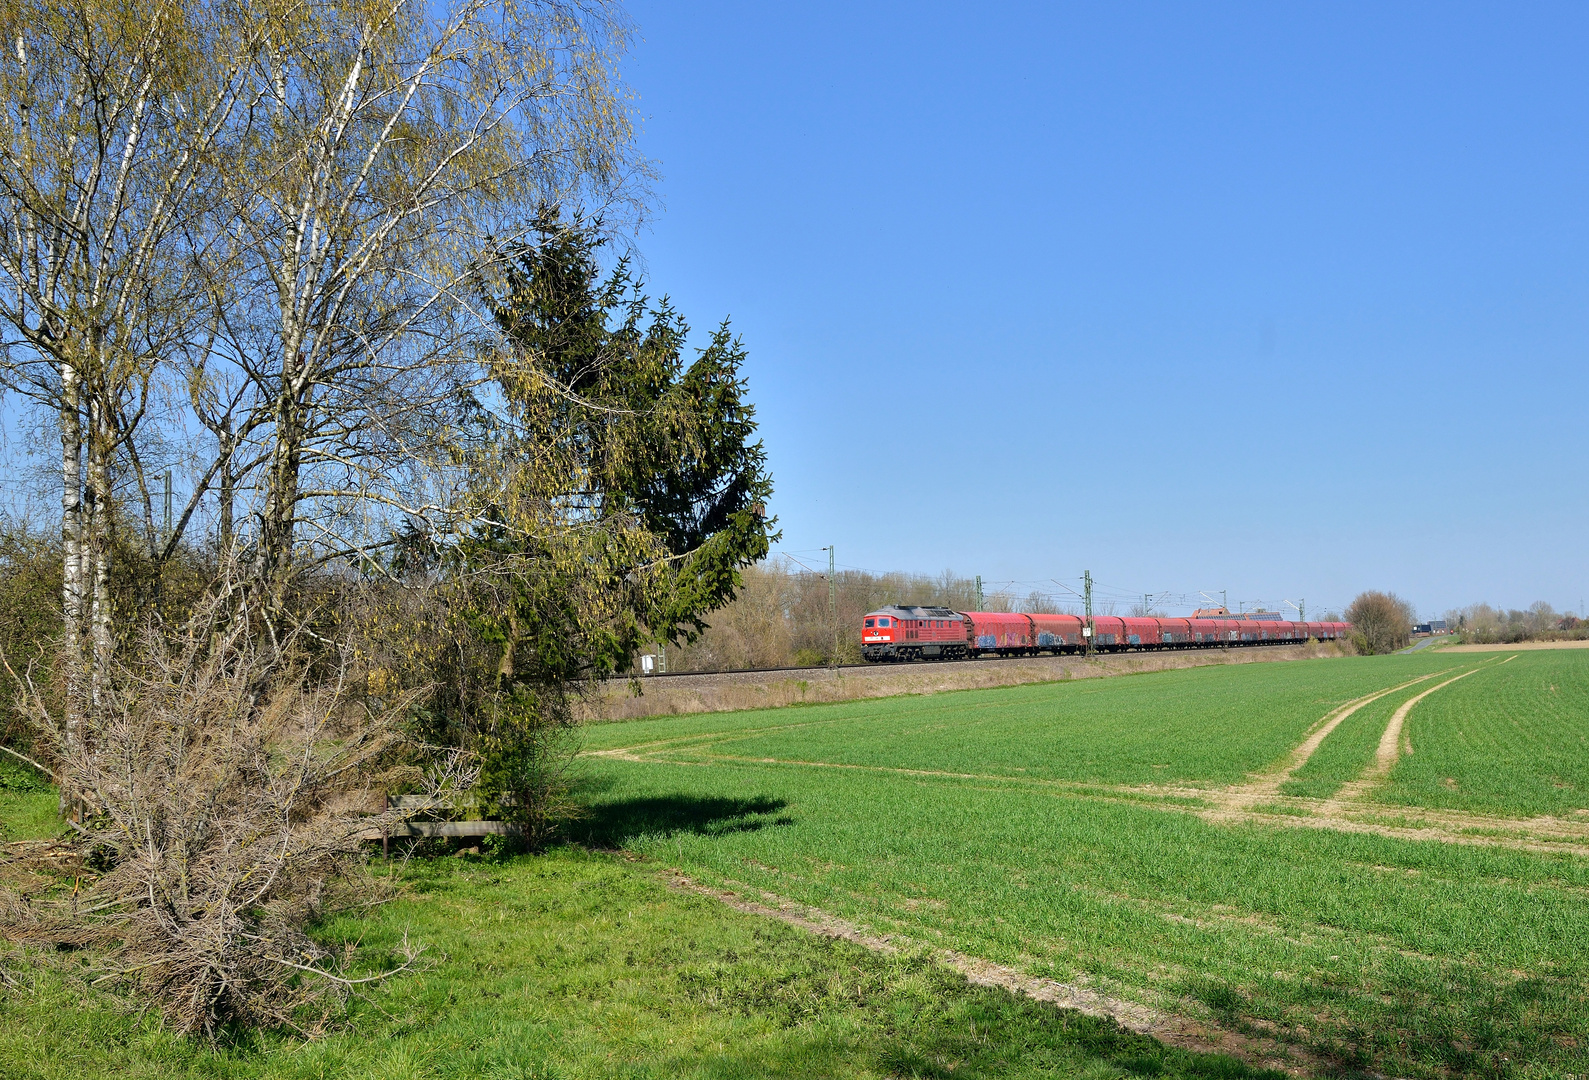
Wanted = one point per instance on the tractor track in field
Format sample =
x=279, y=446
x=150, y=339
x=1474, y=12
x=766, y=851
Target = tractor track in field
x=1387, y=753
x=1169, y=1028
x=1268, y=785
x=1352, y=809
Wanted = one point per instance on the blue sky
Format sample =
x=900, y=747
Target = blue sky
x=1287, y=300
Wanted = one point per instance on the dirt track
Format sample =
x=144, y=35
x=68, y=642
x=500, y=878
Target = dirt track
x=1577, y=643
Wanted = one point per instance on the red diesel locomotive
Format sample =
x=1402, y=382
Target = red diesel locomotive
x=936, y=633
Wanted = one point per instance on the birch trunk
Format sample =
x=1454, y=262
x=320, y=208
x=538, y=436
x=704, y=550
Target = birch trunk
x=71, y=566
x=281, y=504
x=96, y=549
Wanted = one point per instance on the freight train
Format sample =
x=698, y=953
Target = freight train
x=937, y=633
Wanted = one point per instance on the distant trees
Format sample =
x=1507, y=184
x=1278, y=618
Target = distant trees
x=1381, y=622
x=1485, y=624
x=779, y=618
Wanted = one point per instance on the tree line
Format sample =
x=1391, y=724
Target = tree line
x=1483, y=624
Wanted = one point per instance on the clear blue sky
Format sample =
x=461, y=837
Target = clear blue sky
x=1288, y=300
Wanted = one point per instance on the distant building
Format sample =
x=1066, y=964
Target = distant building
x=1225, y=613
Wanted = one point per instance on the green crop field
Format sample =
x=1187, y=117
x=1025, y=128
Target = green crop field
x=1511, y=740
x=1200, y=726
x=1152, y=837
x=1238, y=848
x=1348, y=750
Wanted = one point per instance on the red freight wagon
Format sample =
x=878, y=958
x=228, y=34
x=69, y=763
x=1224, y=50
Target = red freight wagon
x=1108, y=632
x=1175, y=631
x=1141, y=632
x=1058, y=633
x=999, y=633
x=1231, y=628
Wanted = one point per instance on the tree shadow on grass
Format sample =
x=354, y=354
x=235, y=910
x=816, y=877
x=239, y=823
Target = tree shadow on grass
x=614, y=824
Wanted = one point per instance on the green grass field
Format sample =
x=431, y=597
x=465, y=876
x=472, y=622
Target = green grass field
x=1085, y=831
x=1416, y=957
x=27, y=803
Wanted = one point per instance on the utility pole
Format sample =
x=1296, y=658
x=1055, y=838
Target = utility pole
x=1086, y=631
x=1302, y=610
x=979, y=593
x=1147, y=604
x=833, y=620
x=1224, y=600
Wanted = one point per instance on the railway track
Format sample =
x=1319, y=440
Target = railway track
x=906, y=665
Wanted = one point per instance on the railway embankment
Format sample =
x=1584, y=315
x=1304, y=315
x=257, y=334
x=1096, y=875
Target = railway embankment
x=616, y=699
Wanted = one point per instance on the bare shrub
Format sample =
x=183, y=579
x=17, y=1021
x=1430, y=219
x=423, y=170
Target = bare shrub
x=223, y=794
x=1381, y=622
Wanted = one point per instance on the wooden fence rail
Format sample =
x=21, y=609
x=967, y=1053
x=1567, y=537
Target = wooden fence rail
x=429, y=804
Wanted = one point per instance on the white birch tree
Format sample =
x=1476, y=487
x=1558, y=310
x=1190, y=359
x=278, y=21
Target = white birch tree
x=399, y=146
x=114, y=117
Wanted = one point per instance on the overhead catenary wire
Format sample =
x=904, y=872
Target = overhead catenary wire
x=1019, y=590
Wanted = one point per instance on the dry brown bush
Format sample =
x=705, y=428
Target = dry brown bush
x=222, y=795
